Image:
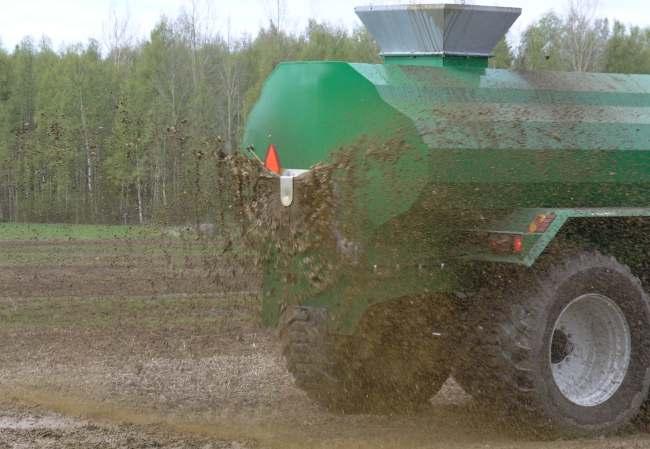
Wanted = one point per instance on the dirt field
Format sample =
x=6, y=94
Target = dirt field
x=141, y=345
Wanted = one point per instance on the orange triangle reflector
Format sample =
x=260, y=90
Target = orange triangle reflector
x=272, y=160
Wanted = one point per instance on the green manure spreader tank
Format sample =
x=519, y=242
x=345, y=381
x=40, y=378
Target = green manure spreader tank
x=433, y=217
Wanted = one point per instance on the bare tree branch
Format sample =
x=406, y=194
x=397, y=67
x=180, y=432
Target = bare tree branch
x=118, y=33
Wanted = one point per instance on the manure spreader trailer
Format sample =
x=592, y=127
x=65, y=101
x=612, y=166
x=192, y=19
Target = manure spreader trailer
x=433, y=217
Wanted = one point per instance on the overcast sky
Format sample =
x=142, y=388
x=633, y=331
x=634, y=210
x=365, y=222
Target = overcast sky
x=72, y=21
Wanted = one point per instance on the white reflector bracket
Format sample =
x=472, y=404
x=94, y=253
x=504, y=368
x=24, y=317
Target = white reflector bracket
x=286, y=185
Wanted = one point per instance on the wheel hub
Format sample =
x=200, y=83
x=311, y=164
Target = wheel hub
x=590, y=350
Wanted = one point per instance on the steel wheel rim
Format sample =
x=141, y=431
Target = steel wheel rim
x=590, y=350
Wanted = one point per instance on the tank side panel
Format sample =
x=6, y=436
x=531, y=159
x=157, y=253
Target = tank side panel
x=518, y=139
x=518, y=110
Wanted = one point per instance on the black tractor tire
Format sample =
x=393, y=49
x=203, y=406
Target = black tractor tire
x=388, y=367
x=563, y=348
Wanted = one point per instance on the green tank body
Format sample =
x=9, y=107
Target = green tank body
x=542, y=139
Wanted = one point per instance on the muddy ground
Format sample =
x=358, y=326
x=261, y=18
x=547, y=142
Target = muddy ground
x=113, y=346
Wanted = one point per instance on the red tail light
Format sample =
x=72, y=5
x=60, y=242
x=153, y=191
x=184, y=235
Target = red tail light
x=272, y=160
x=506, y=243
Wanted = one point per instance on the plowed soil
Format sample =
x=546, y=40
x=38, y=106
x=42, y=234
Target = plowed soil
x=116, y=345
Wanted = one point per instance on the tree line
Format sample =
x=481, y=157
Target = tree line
x=132, y=132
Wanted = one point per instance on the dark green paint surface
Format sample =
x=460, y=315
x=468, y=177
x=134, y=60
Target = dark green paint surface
x=473, y=125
